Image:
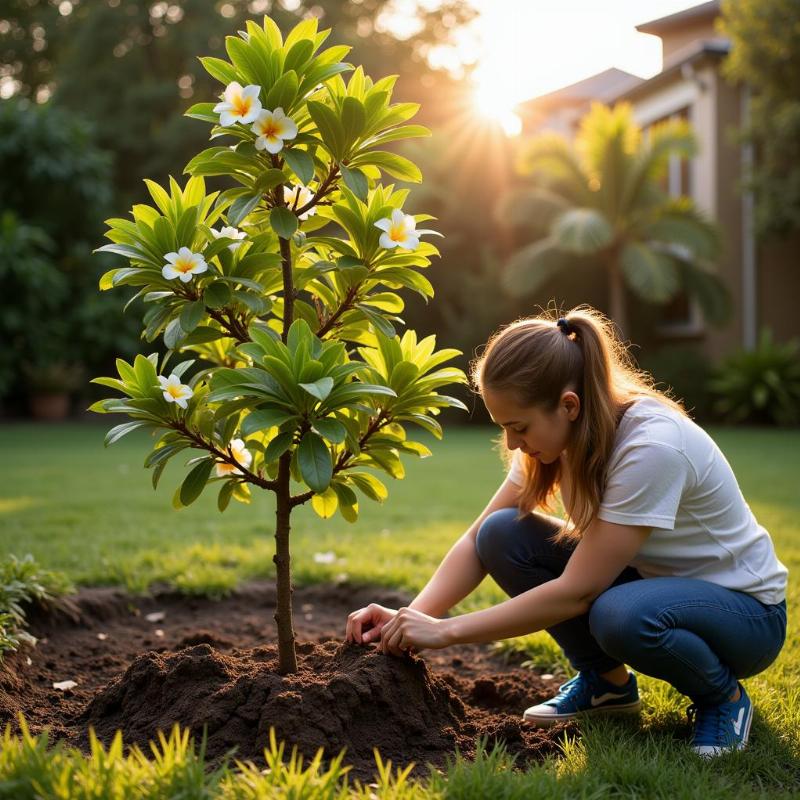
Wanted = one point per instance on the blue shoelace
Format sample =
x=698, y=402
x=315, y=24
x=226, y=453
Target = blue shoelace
x=571, y=689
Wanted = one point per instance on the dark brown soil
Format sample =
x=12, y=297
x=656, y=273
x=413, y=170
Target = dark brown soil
x=215, y=664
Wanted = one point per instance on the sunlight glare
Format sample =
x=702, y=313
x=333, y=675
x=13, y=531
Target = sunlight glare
x=494, y=103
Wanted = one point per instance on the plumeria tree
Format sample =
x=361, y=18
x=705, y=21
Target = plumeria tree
x=281, y=288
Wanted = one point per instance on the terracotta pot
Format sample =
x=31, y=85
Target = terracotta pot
x=50, y=406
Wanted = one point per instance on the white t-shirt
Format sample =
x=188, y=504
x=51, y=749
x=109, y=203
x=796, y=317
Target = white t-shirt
x=666, y=472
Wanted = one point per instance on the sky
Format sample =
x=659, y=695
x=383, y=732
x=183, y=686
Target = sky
x=525, y=48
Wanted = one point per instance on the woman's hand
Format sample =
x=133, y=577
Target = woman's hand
x=412, y=631
x=373, y=617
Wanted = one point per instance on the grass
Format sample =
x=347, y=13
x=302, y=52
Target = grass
x=93, y=514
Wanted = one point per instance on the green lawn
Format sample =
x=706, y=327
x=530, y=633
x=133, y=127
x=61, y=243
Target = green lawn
x=92, y=512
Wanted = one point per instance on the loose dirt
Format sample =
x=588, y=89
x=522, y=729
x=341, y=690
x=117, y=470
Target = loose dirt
x=210, y=663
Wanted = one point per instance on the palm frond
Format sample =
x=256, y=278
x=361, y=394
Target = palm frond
x=673, y=137
x=583, y=231
x=654, y=276
x=681, y=222
x=530, y=207
x=534, y=264
x=549, y=159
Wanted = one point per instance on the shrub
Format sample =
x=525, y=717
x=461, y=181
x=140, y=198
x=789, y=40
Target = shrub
x=762, y=385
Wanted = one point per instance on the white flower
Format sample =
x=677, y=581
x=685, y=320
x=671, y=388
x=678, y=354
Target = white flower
x=183, y=265
x=297, y=197
x=272, y=128
x=174, y=390
x=230, y=233
x=238, y=105
x=240, y=453
x=398, y=231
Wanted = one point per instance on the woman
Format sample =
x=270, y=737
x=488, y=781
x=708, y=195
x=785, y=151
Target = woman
x=661, y=565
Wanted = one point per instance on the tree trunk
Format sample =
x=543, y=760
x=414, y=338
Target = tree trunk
x=287, y=657
x=616, y=296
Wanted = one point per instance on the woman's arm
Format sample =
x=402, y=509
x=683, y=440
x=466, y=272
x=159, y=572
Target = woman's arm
x=461, y=570
x=604, y=551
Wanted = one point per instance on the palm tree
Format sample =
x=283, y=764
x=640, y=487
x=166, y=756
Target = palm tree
x=601, y=201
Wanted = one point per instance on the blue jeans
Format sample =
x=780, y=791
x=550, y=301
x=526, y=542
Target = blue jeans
x=696, y=635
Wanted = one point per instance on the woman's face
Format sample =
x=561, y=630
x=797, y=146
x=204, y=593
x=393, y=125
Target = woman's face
x=544, y=435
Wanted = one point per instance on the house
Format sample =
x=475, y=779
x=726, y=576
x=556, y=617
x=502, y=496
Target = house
x=763, y=279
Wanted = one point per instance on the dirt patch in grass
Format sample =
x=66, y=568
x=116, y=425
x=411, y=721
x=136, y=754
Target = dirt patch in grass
x=214, y=663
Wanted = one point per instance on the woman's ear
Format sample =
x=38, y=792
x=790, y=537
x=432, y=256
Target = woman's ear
x=572, y=405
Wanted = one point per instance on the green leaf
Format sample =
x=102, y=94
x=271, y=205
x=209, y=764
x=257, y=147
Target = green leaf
x=356, y=182
x=195, y=481
x=330, y=429
x=117, y=432
x=225, y=493
x=314, y=459
x=264, y=418
x=219, y=69
x=241, y=207
x=283, y=92
x=283, y=222
x=174, y=333
x=370, y=485
x=203, y=334
x=395, y=165
x=353, y=120
x=278, y=446
x=191, y=315
x=300, y=162
x=217, y=294
x=329, y=126
x=320, y=388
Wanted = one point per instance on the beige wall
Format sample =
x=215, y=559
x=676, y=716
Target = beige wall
x=779, y=287
x=677, y=38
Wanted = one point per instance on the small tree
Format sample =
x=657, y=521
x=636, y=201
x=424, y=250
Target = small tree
x=305, y=379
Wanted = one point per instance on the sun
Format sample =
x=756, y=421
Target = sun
x=494, y=102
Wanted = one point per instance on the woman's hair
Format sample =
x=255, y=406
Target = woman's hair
x=536, y=361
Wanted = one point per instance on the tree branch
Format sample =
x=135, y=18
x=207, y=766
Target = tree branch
x=251, y=477
x=345, y=457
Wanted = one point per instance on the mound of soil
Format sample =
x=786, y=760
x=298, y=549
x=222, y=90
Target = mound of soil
x=202, y=663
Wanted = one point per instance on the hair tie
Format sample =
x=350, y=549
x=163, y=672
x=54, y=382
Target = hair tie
x=565, y=326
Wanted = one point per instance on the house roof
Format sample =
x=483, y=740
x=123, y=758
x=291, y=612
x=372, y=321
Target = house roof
x=663, y=24
x=603, y=86
x=681, y=60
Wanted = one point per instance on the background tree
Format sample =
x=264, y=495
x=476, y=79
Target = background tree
x=130, y=66
x=293, y=311
x=601, y=203
x=765, y=56
x=55, y=187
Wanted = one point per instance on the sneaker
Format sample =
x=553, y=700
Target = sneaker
x=586, y=692
x=723, y=728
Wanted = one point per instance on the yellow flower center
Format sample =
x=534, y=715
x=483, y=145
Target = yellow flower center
x=175, y=391
x=270, y=129
x=397, y=233
x=241, y=105
x=184, y=265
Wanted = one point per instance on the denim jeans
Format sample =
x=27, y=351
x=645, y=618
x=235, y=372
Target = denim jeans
x=696, y=635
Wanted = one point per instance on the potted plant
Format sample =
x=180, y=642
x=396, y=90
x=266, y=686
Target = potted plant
x=49, y=386
x=282, y=289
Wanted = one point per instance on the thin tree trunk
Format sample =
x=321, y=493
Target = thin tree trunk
x=287, y=658
x=616, y=296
